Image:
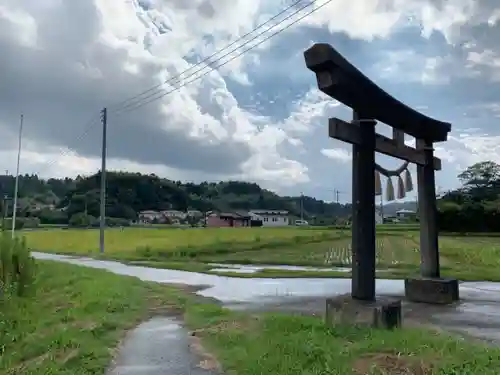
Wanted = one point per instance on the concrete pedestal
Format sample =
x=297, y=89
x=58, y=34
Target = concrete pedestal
x=432, y=290
x=382, y=313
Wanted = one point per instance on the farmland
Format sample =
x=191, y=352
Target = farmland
x=466, y=257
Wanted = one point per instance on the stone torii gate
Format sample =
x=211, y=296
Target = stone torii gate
x=339, y=79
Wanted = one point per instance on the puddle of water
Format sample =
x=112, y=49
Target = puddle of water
x=250, y=268
x=480, y=306
x=228, y=289
x=234, y=270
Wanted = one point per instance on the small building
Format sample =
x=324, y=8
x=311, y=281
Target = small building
x=150, y=216
x=228, y=219
x=405, y=214
x=271, y=218
x=194, y=213
x=174, y=214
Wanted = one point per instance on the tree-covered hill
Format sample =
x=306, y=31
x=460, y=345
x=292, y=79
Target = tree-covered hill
x=129, y=193
x=475, y=206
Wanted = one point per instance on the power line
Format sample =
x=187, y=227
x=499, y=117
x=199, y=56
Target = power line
x=152, y=95
x=153, y=98
x=133, y=106
x=207, y=59
x=89, y=125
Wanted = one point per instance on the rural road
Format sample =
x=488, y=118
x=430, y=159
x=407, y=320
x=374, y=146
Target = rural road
x=477, y=315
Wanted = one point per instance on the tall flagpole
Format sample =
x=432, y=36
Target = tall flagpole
x=16, y=186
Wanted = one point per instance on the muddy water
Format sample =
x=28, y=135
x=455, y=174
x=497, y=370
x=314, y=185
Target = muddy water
x=477, y=315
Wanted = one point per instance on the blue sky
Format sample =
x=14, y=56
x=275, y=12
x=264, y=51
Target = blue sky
x=260, y=117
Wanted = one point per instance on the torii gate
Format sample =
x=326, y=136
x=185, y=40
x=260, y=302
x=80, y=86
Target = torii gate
x=339, y=79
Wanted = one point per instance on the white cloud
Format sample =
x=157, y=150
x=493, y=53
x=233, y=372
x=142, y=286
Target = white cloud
x=337, y=154
x=475, y=148
x=67, y=59
x=407, y=65
x=312, y=109
x=379, y=19
x=484, y=61
x=119, y=47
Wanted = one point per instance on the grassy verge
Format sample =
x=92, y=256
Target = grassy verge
x=284, y=344
x=79, y=315
x=75, y=319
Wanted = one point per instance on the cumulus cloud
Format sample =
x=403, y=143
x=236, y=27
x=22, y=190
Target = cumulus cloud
x=338, y=154
x=63, y=61
x=407, y=65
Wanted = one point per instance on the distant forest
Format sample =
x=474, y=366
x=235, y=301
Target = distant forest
x=55, y=201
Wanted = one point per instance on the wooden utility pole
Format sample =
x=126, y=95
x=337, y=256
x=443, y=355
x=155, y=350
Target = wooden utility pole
x=102, y=218
x=5, y=210
x=16, y=184
x=301, y=206
x=336, y=193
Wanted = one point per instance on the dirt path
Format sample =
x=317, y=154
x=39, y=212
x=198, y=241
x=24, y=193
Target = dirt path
x=161, y=346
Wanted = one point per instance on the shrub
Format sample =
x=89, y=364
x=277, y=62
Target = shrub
x=111, y=222
x=469, y=217
x=81, y=220
x=117, y=222
x=22, y=222
x=17, y=266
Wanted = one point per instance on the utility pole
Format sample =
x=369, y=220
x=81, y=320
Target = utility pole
x=301, y=206
x=5, y=208
x=16, y=185
x=336, y=194
x=382, y=207
x=102, y=219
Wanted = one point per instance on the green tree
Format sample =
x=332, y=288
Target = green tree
x=481, y=180
x=480, y=175
x=81, y=220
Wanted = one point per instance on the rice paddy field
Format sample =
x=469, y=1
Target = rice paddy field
x=397, y=250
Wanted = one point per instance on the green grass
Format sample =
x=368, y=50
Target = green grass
x=75, y=319
x=284, y=344
x=78, y=316
x=465, y=257
x=140, y=243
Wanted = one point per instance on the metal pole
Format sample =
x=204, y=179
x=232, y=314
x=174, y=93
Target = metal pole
x=16, y=185
x=102, y=219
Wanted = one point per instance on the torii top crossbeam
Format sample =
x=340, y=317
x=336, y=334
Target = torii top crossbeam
x=339, y=79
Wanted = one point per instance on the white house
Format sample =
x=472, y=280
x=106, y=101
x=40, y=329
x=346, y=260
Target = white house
x=194, y=213
x=174, y=214
x=270, y=218
x=404, y=214
x=149, y=216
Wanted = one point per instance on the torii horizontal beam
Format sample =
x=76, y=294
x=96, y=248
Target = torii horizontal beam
x=351, y=133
